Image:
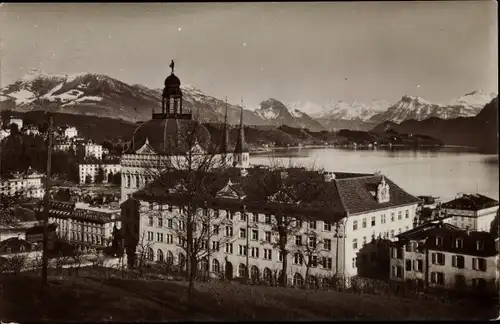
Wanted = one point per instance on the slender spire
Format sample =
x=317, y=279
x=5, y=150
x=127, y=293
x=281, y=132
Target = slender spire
x=224, y=148
x=241, y=145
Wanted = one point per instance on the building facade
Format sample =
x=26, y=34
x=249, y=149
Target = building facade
x=472, y=212
x=70, y=132
x=82, y=224
x=93, y=150
x=28, y=184
x=440, y=255
x=91, y=169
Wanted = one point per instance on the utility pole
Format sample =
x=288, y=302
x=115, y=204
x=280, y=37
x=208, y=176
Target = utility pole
x=46, y=201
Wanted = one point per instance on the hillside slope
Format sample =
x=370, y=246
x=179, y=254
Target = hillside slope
x=74, y=299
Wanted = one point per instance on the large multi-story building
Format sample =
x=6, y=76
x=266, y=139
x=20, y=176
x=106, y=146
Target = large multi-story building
x=350, y=210
x=440, y=255
x=474, y=212
x=93, y=150
x=83, y=224
x=89, y=170
x=28, y=184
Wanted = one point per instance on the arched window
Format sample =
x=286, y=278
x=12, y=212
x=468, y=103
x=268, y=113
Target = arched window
x=137, y=181
x=215, y=266
x=204, y=264
x=298, y=280
x=159, y=255
x=242, y=270
x=254, y=273
x=170, y=258
x=268, y=275
x=150, y=254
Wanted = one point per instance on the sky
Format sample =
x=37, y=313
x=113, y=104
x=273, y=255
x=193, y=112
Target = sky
x=314, y=52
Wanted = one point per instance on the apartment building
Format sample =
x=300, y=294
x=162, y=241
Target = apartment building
x=474, y=212
x=441, y=255
x=82, y=224
x=362, y=207
x=90, y=168
x=93, y=150
x=29, y=184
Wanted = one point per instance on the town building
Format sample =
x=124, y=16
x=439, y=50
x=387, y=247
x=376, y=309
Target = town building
x=17, y=121
x=15, y=248
x=89, y=170
x=70, y=132
x=4, y=133
x=349, y=211
x=28, y=184
x=441, y=255
x=474, y=212
x=63, y=145
x=81, y=224
x=31, y=130
x=93, y=150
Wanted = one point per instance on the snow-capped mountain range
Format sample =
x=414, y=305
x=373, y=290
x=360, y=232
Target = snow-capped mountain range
x=101, y=95
x=412, y=107
x=278, y=113
x=342, y=110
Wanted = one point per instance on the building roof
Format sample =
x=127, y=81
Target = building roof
x=259, y=191
x=357, y=193
x=169, y=136
x=38, y=229
x=15, y=245
x=429, y=231
x=473, y=202
x=79, y=211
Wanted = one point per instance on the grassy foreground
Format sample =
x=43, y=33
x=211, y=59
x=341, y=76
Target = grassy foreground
x=72, y=299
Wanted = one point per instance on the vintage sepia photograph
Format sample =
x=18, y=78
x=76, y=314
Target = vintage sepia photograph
x=249, y=161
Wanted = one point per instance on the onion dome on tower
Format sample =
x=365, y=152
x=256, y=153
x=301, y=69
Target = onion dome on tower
x=173, y=130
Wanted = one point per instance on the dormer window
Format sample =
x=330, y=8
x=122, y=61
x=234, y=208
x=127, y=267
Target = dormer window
x=459, y=243
x=383, y=191
x=480, y=245
x=439, y=241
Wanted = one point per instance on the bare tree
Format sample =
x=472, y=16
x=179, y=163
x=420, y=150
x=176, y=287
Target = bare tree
x=189, y=170
x=286, y=189
x=144, y=252
x=311, y=252
x=77, y=256
x=14, y=264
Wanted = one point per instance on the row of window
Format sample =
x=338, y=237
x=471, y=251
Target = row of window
x=458, y=261
x=385, y=235
x=382, y=220
x=313, y=225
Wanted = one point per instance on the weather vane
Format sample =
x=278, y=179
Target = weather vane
x=172, y=66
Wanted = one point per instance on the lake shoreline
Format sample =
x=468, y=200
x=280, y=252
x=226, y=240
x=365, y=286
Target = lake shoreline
x=383, y=147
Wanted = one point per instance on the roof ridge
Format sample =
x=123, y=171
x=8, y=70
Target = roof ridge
x=344, y=206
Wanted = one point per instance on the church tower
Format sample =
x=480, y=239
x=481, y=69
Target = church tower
x=226, y=156
x=241, y=152
x=171, y=103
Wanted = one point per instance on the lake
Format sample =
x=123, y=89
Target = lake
x=440, y=172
